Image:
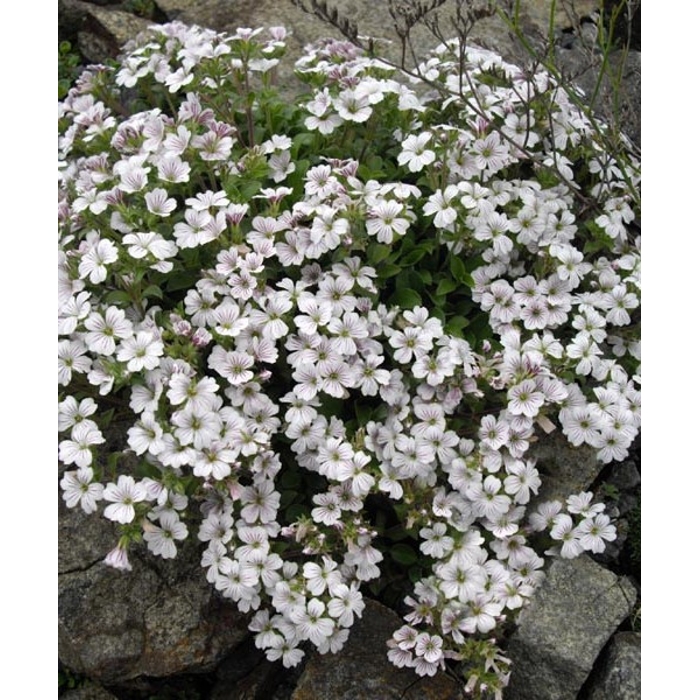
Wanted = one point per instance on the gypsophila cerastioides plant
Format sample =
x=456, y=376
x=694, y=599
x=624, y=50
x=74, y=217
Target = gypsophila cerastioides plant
x=333, y=327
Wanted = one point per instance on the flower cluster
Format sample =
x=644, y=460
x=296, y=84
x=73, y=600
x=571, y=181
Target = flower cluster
x=373, y=296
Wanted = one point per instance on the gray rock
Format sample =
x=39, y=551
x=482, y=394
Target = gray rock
x=564, y=469
x=247, y=675
x=83, y=541
x=213, y=14
x=89, y=691
x=99, y=32
x=161, y=618
x=560, y=635
x=371, y=18
x=362, y=671
x=614, y=90
x=621, y=673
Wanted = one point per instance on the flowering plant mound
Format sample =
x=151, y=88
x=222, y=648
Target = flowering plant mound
x=335, y=327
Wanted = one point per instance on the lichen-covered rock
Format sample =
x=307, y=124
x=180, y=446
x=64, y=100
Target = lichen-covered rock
x=98, y=32
x=362, y=671
x=561, y=633
x=162, y=618
x=564, y=469
x=621, y=674
x=89, y=691
x=246, y=674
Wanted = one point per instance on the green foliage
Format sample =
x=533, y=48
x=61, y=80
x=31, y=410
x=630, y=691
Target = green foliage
x=141, y=8
x=68, y=680
x=68, y=63
x=634, y=538
x=610, y=492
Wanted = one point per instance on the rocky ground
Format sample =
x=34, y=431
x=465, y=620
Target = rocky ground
x=161, y=632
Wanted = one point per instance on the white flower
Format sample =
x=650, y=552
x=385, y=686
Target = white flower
x=353, y=106
x=78, y=450
x=440, y=205
x=311, y=622
x=142, y=351
x=594, y=531
x=146, y=435
x=319, y=578
x=328, y=509
x=122, y=496
x=260, y=502
x=384, y=221
x=570, y=536
x=161, y=540
x=143, y=244
x=78, y=487
x=437, y=543
x=70, y=412
x=524, y=399
x=522, y=479
x=416, y=153
x=158, y=202
x=346, y=603
x=118, y=558
x=429, y=647
x=102, y=330
x=94, y=262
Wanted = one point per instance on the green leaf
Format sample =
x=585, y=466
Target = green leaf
x=118, y=297
x=287, y=498
x=250, y=188
x=455, y=325
x=479, y=330
x=182, y=280
x=389, y=270
x=446, y=286
x=406, y=298
x=439, y=313
x=295, y=512
x=375, y=163
x=290, y=479
x=410, y=279
x=369, y=173
x=425, y=276
x=145, y=469
x=153, y=291
x=300, y=172
x=304, y=138
x=413, y=257
x=363, y=413
x=376, y=252
x=459, y=271
x=403, y=554
x=396, y=532
x=106, y=417
x=415, y=574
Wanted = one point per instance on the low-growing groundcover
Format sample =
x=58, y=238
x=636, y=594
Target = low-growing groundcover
x=335, y=327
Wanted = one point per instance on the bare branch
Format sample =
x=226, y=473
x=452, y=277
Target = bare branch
x=330, y=15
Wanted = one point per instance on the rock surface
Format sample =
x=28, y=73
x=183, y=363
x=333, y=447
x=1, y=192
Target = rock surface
x=161, y=618
x=562, y=632
x=89, y=691
x=621, y=672
x=564, y=469
x=363, y=672
x=100, y=28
